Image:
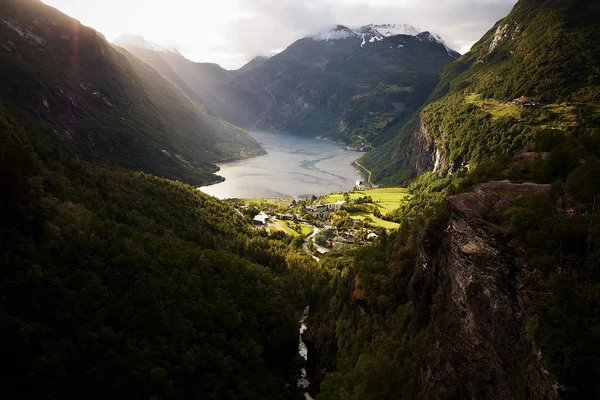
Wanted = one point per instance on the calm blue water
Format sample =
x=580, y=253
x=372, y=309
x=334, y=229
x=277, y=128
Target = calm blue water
x=294, y=167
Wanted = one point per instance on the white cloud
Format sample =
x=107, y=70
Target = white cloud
x=230, y=32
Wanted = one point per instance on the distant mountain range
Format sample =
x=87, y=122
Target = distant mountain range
x=346, y=84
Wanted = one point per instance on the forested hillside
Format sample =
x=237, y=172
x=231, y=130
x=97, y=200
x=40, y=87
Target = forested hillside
x=490, y=289
x=532, y=76
x=100, y=103
x=124, y=285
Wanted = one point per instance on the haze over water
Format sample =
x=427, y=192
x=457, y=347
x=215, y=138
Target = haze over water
x=293, y=167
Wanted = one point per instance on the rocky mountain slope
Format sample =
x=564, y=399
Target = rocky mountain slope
x=469, y=289
x=519, y=81
x=101, y=103
x=345, y=84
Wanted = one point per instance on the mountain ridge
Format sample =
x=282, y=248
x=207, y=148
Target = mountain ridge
x=513, y=76
x=376, y=32
x=99, y=102
x=336, y=89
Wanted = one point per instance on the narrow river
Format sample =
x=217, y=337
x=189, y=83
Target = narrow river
x=303, y=382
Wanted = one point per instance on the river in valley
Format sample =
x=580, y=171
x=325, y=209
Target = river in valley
x=303, y=382
x=294, y=167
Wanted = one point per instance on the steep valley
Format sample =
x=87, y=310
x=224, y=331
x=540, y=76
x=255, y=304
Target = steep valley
x=119, y=279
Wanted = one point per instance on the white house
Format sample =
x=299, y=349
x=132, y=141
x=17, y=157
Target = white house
x=261, y=218
x=316, y=210
x=335, y=206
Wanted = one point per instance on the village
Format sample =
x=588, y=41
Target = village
x=328, y=223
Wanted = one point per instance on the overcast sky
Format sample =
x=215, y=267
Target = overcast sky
x=231, y=32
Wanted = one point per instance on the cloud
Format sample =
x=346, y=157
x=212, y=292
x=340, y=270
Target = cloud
x=274, y=24
x=231, y=32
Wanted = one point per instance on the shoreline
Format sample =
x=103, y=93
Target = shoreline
x=220, y=180
x=359, y=167
x=236, y=167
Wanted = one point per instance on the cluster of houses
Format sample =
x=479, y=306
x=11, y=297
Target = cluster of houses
x=336, y=237
x=526, y=102
x=339, y=239
x=318, y=210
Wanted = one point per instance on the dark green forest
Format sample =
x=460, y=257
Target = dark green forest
x=366, y=332
x=121, y=284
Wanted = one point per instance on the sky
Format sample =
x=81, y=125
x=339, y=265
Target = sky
x=232, y=32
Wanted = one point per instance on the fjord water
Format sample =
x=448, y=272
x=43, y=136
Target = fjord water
x=294, y=166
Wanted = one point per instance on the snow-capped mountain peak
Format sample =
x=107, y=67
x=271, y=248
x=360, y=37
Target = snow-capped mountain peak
x=372, y=30
x=387, y=30
x=375, y=33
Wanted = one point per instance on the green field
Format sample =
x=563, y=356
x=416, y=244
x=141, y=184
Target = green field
x=306, y=230
x=385, y=199
x=287, y=229
x=497, y=108
x=376, y=221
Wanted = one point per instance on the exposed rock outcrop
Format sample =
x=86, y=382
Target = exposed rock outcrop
x=468, y=292
x=423, y=150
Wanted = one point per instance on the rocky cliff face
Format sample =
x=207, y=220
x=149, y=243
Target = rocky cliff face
x=423, y=156
x=468, y=290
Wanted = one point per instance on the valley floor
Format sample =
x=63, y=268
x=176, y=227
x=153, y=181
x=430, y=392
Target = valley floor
x=363, y=216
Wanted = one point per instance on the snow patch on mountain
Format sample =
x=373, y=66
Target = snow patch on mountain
x=387, y=30
x=338, y=32
x=378, y=32
x=434, y=37
x=375, y=33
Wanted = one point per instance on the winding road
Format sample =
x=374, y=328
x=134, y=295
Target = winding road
x=368, y=172
x=305, y=244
